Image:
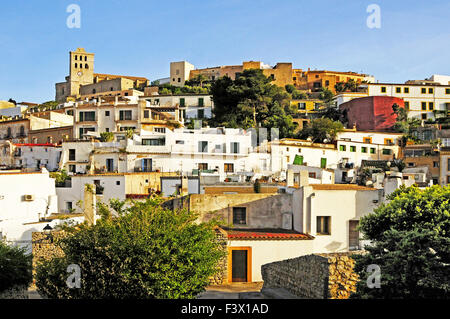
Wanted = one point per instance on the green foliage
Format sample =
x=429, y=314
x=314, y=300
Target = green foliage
x=188, y=88
x=15, y=267
x=251, y=100
x=410, y=242
x=146, y=252
x=60, y=177
x=129, y=133
x=320, y=129
x=349, y=86
x=106, y=136
x=403, y=124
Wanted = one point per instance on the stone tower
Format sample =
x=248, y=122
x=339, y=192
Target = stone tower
x=81, y=70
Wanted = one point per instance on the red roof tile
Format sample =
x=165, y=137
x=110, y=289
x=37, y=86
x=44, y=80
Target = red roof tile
x=265, y=234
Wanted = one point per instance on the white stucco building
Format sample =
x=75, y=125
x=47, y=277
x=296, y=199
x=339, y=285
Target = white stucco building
x=27, y=200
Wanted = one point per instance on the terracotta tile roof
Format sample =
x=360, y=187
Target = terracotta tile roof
x=265, y=234
x=339, y=187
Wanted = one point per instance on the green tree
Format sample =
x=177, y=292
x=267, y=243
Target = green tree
x=251, y=100
x=146, y=252
x=321, y=129
x=106, y=136
x=15, y=267
x=410, y=243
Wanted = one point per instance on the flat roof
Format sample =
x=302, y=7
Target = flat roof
x=340, y=187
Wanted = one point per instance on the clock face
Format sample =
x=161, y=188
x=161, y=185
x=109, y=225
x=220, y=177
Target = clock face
x=80, y=73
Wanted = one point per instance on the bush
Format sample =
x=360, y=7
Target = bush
x=147, y=252
x=15, y=267
x=410, y=243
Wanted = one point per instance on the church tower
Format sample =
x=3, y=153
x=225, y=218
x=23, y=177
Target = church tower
x=81, y=70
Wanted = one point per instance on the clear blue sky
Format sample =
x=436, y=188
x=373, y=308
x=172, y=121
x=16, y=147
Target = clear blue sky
x=141, y=38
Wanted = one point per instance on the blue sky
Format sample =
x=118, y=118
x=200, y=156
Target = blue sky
x=141, y=38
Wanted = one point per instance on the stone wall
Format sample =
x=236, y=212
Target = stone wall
x=316, y=276
x=16, y=292
x=45, y=248
x=221, y=277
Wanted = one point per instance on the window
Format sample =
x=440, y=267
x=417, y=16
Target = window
x=159, y=129
x=87, y=116
x=448, y=179
x=76, y=65
x=367, y=140
x=387, y=151
x=424, y=116
x=200, y=101
x=239, y=215
x=323, y=225
x=203, y=166
x=200, y=113
x=106, y=113
x=229, y=168
x=447, y=91
x=234, y=147
x=72, y=168
x=69, y=206
x=430, y=91
x=125, y=115
x=372, y=150
x=383, y=89
x=424, y=90
x=327, y=83
x=85, y=58
x=72, y=154
x=352, y=148
x=431, y=106
x=398, y=90
x=406, y=105
x=302, y=106
x=323, y=163
x=182, y=101
x=388, y=141
x=448, y=164
x=179, y=142
x=76, y=57
x=424, y=106
x=146, y=114
x=312, y=174
x=154, y=141
x=342, y=148
x=203, y=146
x=179, y=79
x=117, y=182
x=435, y=164
x=363, y=149
x=406, y=90
x=86, y=66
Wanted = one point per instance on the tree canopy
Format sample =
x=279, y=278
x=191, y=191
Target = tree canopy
x=321, y=129
x=410, y=243
x=252, y=101
x=15, y=267
x=146, y=252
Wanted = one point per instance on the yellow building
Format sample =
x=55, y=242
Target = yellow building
x=315, y=80
x=307, y=106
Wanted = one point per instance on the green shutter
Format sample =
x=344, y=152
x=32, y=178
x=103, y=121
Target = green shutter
x=323, y=162
x=298, y=160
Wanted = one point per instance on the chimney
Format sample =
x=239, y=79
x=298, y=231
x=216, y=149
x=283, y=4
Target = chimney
x=290, y=178
x=90, y=204
x=184, y=185
x=304, y=178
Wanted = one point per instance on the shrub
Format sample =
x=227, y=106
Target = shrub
x=410, y=243
x=146, y=252
x=15, y=267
